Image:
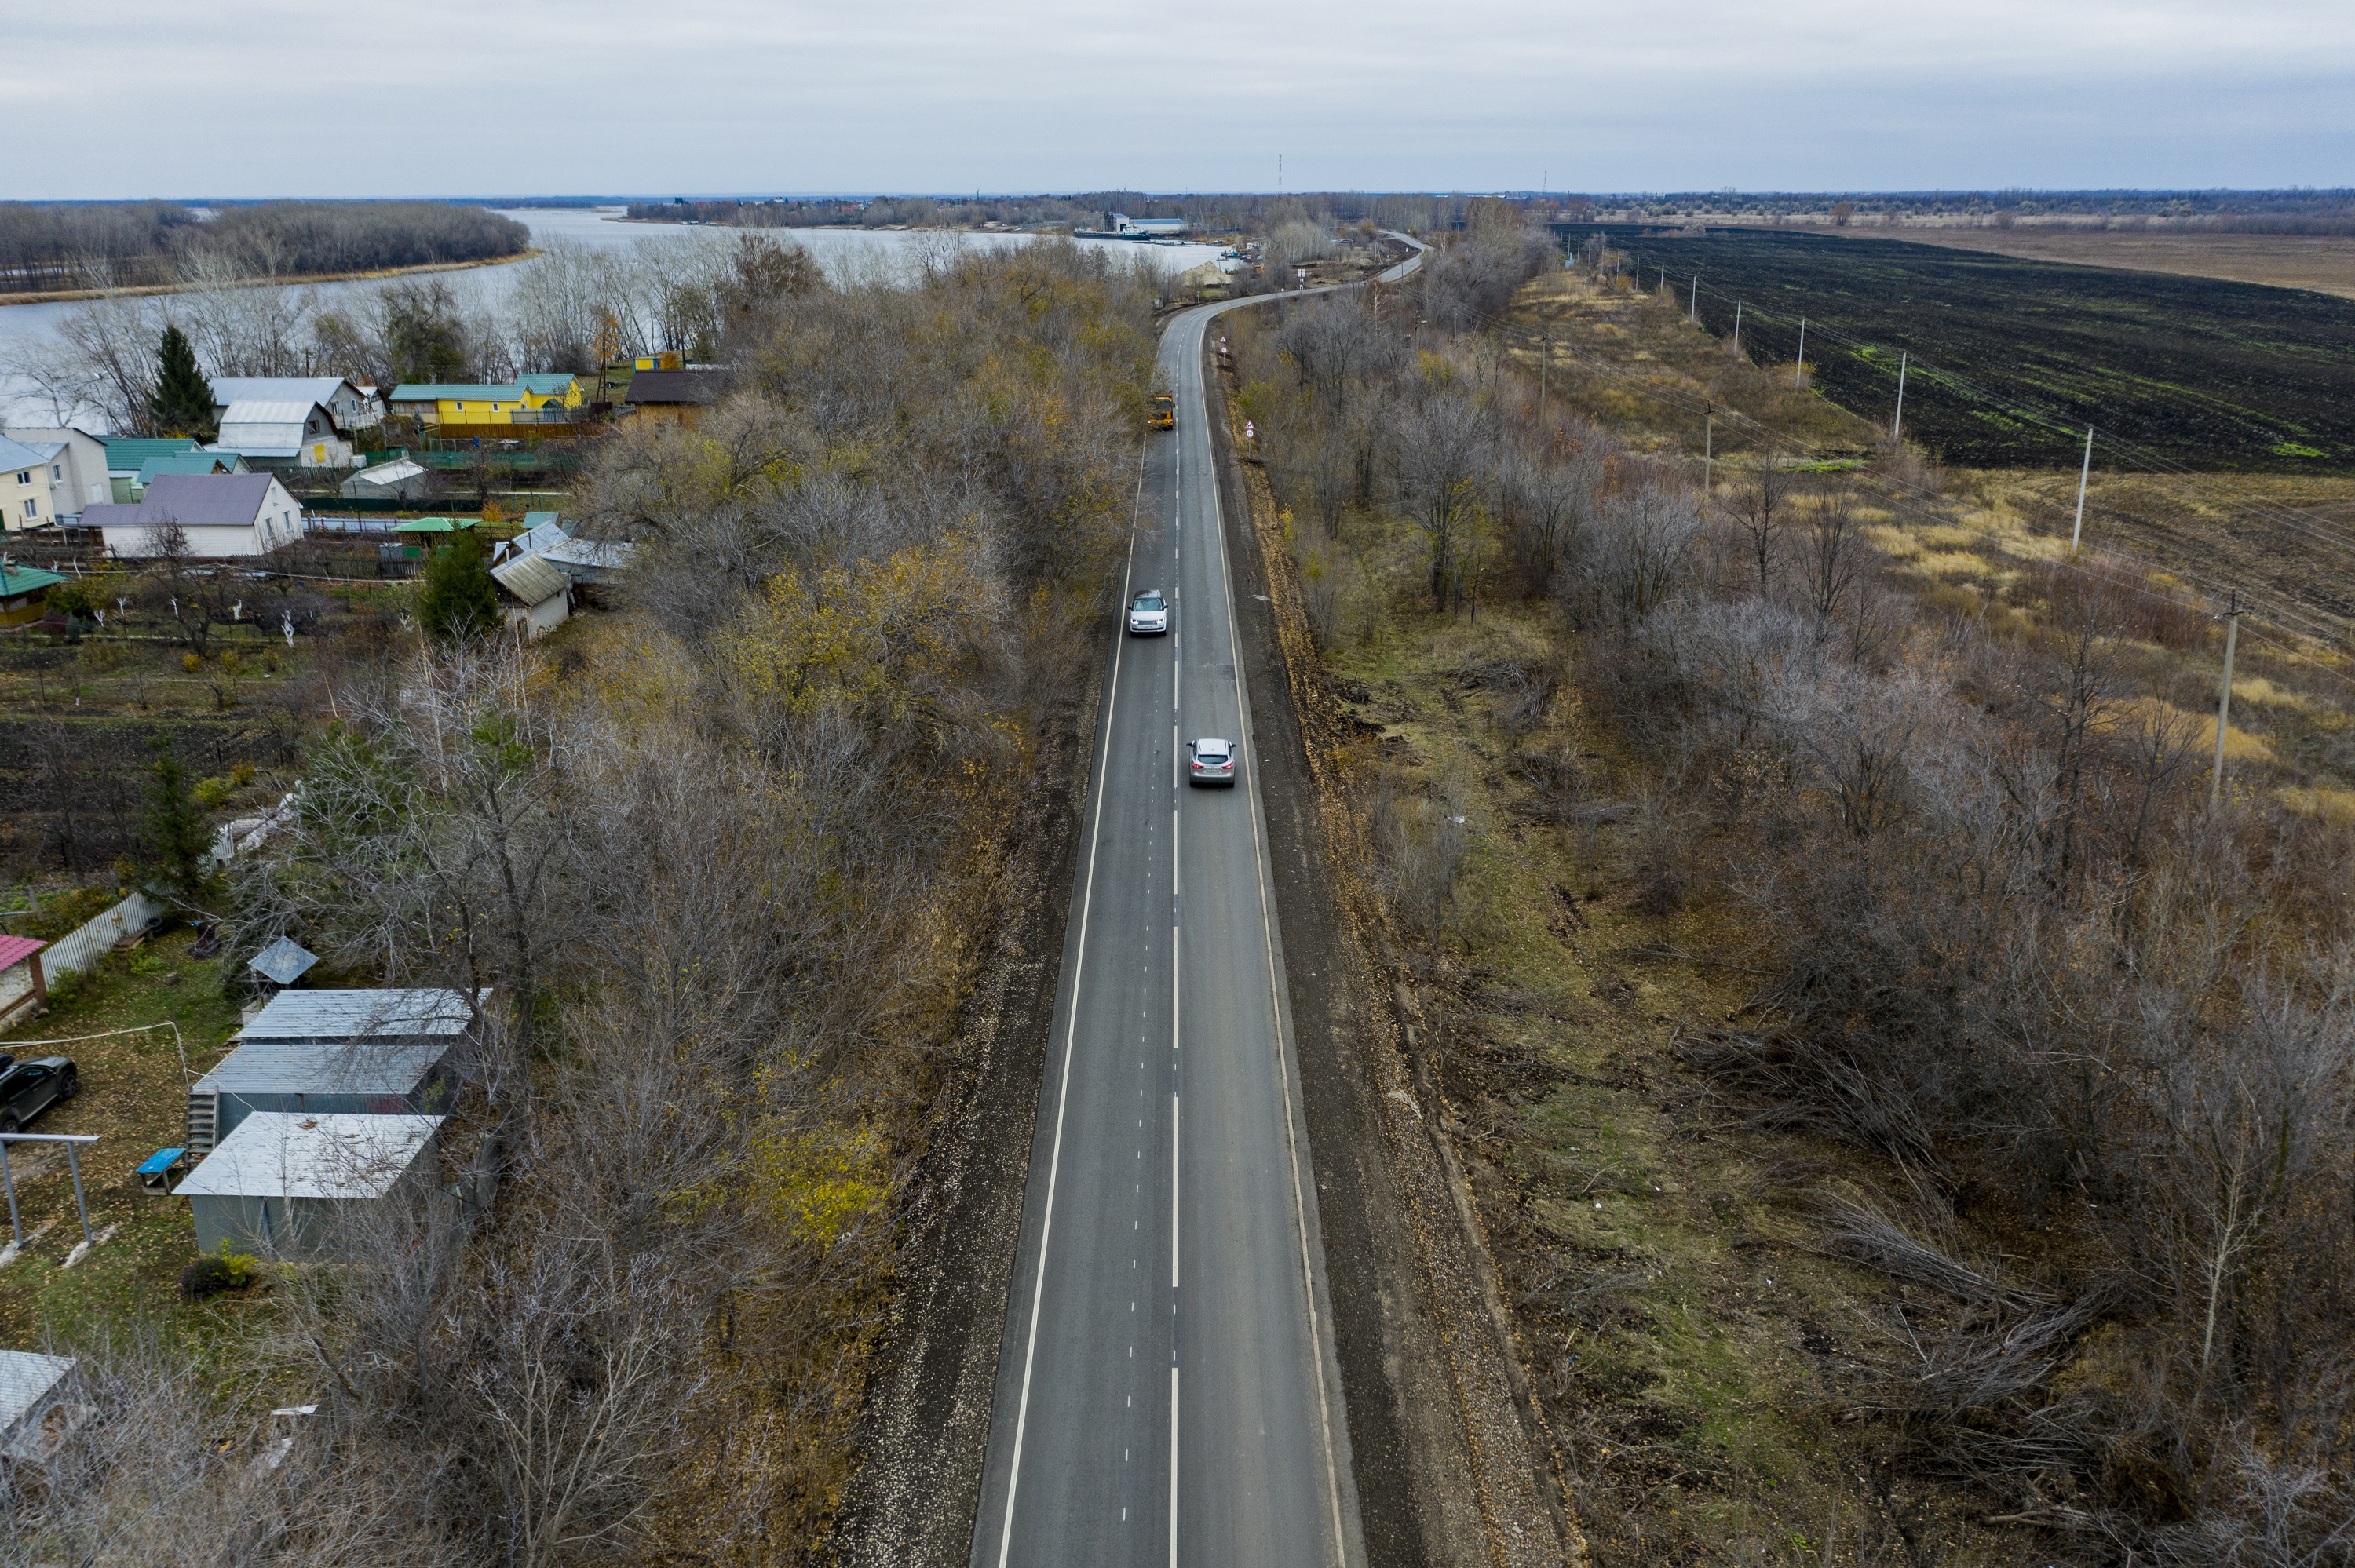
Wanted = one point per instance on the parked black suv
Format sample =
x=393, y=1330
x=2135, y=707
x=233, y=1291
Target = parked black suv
x=28, y=1088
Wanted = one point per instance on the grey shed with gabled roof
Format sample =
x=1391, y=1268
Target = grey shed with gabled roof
x=364, y=1053
x=360, y=1014
x=283, y=1183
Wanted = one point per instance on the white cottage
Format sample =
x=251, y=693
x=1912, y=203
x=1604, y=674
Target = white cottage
x=223, y=514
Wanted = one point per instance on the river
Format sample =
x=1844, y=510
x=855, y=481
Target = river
x=844, y=252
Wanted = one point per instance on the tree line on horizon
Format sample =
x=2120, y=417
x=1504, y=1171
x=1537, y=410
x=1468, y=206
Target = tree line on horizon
x=75, y=244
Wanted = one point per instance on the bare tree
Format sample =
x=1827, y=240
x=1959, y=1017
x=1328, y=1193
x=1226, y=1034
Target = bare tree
x=1832, y=554
x=1441, y=459
x=193, y=597
x=1761, y=512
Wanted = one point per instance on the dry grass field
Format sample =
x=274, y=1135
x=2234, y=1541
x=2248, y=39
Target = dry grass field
x=2322, y=262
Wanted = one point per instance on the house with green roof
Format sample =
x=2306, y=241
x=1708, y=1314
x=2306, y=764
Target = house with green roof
x=527, y=401
x=558, y=390
x=197, y=462
x=23, y=590
x=126, y=455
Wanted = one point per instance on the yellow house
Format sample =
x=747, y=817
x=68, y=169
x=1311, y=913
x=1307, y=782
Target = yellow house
x=452, y=403
x=558, y=390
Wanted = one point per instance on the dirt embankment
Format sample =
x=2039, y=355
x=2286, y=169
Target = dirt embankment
x=925, y=1430
x=1454, y=1462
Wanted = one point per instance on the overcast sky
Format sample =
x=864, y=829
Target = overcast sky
x=254, y=98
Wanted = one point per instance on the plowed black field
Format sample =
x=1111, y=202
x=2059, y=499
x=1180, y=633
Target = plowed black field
x=2012, y=359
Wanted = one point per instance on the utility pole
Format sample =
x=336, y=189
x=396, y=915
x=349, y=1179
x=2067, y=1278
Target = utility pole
x=2224, y=698
x=1692, y=317
x=2083, y=474
x=1897, y=423
x=1664, y=280
x=1542, y=363
x=1707, y=450
x=1737, y=326
x=1800, y=369
x=1279, y=174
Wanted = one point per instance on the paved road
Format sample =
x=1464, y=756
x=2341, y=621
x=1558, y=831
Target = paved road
x=1168, y=1391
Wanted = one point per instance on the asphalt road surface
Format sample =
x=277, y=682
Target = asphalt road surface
x=1168, y=1391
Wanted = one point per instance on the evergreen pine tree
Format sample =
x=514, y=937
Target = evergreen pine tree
x=173, y=829
x=183, y=401
x=460, y=598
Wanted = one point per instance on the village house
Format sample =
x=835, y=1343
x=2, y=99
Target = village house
x=24, y=593
x=534, y=594
x=290, y=432
x=128, y=456
x=24, y=487
x=223, y=514
x=527, y=401
x=76, y=461
x=348, y=406
x=456, y=403
x=196, y=461
x=675, y=396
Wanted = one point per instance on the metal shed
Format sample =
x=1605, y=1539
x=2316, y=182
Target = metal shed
x=33, y=1416
x=360, y=1014
x=541, y=595
x=361, y=1052
x=357, y=1077
x=288, y=1186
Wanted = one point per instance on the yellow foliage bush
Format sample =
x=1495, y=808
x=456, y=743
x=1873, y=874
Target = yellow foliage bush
x=818, y=1184
x=869, y=636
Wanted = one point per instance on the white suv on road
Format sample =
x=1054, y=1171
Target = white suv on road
x=1150, y=615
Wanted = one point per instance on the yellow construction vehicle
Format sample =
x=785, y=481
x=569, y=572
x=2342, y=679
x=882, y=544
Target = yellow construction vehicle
x=1161, y=411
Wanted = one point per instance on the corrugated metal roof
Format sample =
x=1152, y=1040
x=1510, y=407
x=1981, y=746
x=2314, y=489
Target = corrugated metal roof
x=285, y=960
x=595, y=554
x=16, y=581
x=435, y=391
x=268, y=411
x=531, y=578
x=326, y=1067
x=534, y=519
x=26, y=1379
x=263, y=440
x=14, y=950
x=546, y=386
x=203, y=500
x=197, y=462
x=230, y=390
x=16, y=454
x=290, y=1154
x=541, y=535
x=390, y=472
x=358, y=1014
x=129, y=454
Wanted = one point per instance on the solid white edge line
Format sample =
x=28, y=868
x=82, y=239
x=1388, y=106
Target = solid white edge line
x=1276, y=1002
x=1172, y=1466
x=1071, y=1033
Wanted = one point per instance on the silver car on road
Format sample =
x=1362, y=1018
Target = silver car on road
x=1210, y=762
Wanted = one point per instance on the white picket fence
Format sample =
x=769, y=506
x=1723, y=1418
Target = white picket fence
x=82, y=946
